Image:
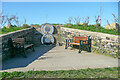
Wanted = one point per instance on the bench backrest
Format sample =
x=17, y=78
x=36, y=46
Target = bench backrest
x=18, y=40
x=76, y=39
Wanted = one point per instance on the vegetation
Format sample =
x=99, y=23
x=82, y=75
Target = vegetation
x=81, y=27
x=6, y=30
x=93, y=28
x=82, y=73
x=25, y=26
x=8, y=20
x=36, y=24
x=56, y=24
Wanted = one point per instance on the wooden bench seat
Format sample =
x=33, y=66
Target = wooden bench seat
x=20, y=45
x=74, y=43
x=81, y=41
x=27, y=46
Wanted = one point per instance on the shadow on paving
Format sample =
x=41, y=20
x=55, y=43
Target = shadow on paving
x=19, y=61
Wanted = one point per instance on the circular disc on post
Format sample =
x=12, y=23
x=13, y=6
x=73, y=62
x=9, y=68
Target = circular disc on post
x=47, y=38
x=47, y=29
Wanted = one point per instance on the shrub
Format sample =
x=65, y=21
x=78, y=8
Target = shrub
x=25, y=26
x=69, y=24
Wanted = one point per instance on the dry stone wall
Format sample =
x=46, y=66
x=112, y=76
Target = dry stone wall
x=28, y=34
x=101, y=43
x=24, y=33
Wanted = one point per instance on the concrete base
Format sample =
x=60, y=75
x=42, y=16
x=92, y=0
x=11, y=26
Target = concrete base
x=57, y=58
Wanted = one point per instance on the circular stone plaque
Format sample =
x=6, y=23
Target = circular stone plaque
x=47, y=38
x=47, y=29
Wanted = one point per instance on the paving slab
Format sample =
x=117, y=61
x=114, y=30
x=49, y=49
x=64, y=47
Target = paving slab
x=57, y=58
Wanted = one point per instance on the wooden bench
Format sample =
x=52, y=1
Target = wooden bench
x=84, y=43
x=20, y=45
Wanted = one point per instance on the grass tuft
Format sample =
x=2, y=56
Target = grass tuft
x=82, y=73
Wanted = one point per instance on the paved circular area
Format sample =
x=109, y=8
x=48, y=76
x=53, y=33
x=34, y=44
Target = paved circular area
x=57, y=58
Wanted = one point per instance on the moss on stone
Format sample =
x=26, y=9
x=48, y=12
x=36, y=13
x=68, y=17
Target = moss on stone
x=105, y=52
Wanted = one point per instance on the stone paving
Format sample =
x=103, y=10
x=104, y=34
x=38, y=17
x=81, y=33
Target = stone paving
x=57, y=58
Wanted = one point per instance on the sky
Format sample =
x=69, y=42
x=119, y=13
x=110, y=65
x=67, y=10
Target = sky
x=59, y=12
x=60, y=0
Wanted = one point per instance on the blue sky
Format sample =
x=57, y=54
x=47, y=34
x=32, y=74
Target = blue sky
x=58, y=12
x=60, y=0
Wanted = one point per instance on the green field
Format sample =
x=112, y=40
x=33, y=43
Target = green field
x=93, y=28
x=7, y=30
x=82, y=73
x=81, y=27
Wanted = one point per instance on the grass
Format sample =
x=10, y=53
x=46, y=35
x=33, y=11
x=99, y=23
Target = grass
x=7, y=30
x=81, y=27
x=93, y=28
x=82, y=73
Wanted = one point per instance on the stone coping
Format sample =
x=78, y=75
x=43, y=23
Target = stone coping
x=98, y=34
x=15, y=32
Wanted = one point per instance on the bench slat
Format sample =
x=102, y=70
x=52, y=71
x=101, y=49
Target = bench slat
x=29, y=45
x=74, y=43
x=76, y=39
x=18, y=40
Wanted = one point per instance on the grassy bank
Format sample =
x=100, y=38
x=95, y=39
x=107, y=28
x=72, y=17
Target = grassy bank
x=82, y=73
x=7, y=30
x=93, y=28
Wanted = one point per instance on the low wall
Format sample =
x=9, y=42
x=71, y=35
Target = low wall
x=101, y=43
x=24, y=33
